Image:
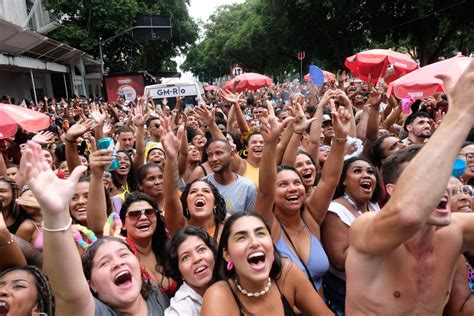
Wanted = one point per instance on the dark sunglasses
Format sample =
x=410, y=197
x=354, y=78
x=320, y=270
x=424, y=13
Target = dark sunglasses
x=136, y=214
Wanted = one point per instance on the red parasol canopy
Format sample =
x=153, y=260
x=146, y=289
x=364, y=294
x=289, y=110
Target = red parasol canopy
x=250, y=81
x=211, y=88
x=375, y=62
x=423, y=82
x=13, y=115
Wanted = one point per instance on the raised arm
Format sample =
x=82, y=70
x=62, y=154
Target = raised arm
x=65, y=273
x=344, y=99
x=174, y=217
x=96, y=202
x=183, y=150
x=139, y=120
x=321, y=196
x=73, y=133
x=374, y=115
x=270, y=129
x=209, y=118
x=416, y=195
x=284, y=140
x=99, y=116
x=235, y=100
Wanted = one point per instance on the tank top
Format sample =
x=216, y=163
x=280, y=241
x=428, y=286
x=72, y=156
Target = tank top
x=251, y=173
x=318, y=262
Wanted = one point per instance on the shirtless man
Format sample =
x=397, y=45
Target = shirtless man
x=401, y=260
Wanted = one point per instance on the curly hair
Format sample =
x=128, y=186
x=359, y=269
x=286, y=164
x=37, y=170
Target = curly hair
x=12, y=207
x=219, y=202
x=45, y=298
x=171, y=264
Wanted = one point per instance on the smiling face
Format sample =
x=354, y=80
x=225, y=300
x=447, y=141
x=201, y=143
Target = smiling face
x=289, y=192
x=199, y=141
x=156, y=156
x=195, y=263
x=143, y=226
x=461, y=196
x=18, y=294
x=78, y=203
x=153, y=182
x=124, y=164
x=255, y=146
x=360, y=181
x=6, y=194
x=200, y=200
x=250, y=249
x=193, y=153
x=467, y=153
x=306, y=169
x=115, y=275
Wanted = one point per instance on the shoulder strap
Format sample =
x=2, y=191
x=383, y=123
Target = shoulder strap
x=237, y=301
x=298, y=255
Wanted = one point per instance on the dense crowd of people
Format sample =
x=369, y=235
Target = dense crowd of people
x=288, y=200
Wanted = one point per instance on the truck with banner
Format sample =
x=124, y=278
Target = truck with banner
x=191, y=91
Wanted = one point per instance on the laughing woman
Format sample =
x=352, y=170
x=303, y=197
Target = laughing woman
x=191, y=258
x=111, y=282
x=252, y=277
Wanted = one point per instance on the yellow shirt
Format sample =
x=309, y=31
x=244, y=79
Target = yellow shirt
x=251, y=173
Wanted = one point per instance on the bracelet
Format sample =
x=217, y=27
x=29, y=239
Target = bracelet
x=56, y=230
x=12, y=240
x=340, y=140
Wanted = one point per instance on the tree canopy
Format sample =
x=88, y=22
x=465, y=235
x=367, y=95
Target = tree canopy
x=266, y=35
x=85, y=21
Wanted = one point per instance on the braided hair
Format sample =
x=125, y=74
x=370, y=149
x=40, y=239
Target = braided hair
x=45, y=298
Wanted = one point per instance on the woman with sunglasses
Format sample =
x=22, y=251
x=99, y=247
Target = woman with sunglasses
x=142, y=223
x=252, y=278
x=110, y=282
x=201, y=203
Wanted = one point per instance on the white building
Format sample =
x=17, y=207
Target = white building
x=33, y=65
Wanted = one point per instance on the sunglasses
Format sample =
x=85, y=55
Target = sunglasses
x=462, y=190
x=136, y=214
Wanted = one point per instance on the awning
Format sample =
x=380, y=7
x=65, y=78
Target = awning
x=9, y=62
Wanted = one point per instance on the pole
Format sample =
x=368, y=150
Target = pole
x=301, y=71
x=65, y=86
x=34, y=88
x=101, y=57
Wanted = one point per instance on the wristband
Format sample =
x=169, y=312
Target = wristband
x=56, y=230
x=340, y=140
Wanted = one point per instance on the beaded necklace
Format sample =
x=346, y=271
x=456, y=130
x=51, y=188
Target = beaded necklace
x=470, y=276
x=113, y=230
x=89, y=235
x=256, y=294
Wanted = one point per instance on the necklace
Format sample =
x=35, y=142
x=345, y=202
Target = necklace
x=352, y=203
x=256, y=294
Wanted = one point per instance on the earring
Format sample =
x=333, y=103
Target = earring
x=245, y=152
x=230, y=266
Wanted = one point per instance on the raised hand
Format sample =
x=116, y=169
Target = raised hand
x=328, y=95
x=301, y=123
x=171, y=142
x=100, y=160
x=97, y=114
x=138, y=118
x=107, y=128
x=375, y=98
x=43, y=137
x=204, y=115
x=341, y=122
x=270, y=128
x=231, y=97
x=342, y=97
x=79, y=129
x=52, y=193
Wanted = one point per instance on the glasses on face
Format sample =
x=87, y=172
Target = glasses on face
x=136, y=214
x=462, y=190
x=469, y=156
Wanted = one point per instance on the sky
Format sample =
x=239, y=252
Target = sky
x=202, y=9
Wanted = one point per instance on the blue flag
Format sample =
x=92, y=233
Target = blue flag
x=317, y=76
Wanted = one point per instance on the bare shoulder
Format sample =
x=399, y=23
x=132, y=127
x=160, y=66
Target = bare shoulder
x=218, y=300
x=360, y=224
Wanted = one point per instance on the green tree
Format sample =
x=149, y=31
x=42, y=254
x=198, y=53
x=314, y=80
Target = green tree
x=85, y=21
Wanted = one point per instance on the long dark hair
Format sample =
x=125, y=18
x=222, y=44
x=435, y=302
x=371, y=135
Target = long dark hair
x=45, y=298
x=159, y=237
x=377, y=196
x=171, y=264
x=219, y=202
x=88, y=262
x=131, y=176
x=220, y=268
x=13, y=209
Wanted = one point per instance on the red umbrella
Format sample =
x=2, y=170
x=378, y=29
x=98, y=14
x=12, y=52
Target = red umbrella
x=13, y=115
x=250, y=81
x=211, y=88
x=422, y=82
x=375, y=62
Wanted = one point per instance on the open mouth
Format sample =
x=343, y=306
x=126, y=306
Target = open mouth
x=199, y=203
x=81, y=209
x=123, y=279
x=258, y=150
x=443, y=205
x=4, y=308
x=143, y=226
x=201, y=270
x=307, y=175
x=293, y=198
x=256, y=260
x=366, y=186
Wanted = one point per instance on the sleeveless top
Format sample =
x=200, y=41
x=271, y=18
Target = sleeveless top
x=251, y=173
x=287, y=309
x=318, y=262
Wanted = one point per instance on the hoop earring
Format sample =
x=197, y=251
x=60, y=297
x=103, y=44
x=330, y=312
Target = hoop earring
x=230, y=266
x=245, y=152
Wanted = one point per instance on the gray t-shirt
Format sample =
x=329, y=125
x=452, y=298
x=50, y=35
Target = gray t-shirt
x=239, y=196
x=157, y=303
